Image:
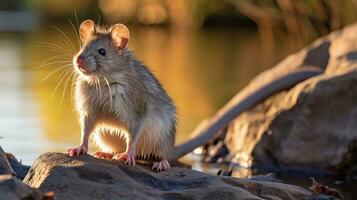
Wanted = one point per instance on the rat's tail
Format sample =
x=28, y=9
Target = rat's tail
x=222, y=118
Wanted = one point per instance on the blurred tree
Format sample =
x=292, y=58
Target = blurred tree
x=303, y=19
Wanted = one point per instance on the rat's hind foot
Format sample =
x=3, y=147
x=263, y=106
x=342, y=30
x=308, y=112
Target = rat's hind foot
x=160, y=166
x=128, y=157
x=76, y=151
x=103, y=155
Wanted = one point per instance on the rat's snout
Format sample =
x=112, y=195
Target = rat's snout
x=84, y=64
x=80, y=62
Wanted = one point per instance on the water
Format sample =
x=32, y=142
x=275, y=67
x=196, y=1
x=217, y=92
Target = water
x=201, y=70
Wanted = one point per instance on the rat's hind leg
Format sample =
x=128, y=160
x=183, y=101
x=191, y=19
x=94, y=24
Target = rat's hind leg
x=162, y=165
x=131, y=143
x=129, y=155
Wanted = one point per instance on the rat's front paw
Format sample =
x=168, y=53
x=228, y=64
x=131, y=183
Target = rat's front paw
x=129, y=158
x=76, y=151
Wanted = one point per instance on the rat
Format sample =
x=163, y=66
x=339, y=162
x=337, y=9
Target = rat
x=125, y=109
x=119, y=100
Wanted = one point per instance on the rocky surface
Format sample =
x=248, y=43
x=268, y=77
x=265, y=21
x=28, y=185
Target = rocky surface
x=312, y=124
x=12, y=188
x=11, y=166
x=20, y=169
x=86, y=177
x=5, y=167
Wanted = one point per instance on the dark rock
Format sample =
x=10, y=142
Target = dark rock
x=86, y=177
x=20, y=169
x=267, y=177
x=12, y=188
x=312, y=124
x=5, y=167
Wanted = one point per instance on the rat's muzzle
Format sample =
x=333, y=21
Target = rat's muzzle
x=81, y=64
x=85, y=65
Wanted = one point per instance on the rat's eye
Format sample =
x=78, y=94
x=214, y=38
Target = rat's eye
x=101, y=51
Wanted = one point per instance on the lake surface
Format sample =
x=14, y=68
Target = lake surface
x=201, y=70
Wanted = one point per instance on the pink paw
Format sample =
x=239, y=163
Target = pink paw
x=103, y=155
x=162, y=165
x=76, y=151
x=129, y=158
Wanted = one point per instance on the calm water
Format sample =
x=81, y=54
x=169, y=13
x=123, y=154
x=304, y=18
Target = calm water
x=201, y=70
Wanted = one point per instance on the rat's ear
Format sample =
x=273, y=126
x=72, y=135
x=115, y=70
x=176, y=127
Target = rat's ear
x=120, y=36
x=86, y=30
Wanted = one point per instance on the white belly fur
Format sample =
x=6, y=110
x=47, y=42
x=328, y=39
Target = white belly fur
x=154, y=140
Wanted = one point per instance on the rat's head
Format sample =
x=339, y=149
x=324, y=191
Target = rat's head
x=103, y=51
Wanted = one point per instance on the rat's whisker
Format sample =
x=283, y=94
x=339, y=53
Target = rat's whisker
x=75, y=33
x=73, y=84
x=47, y=62
x=94, y=80
x=55, y=57
x=60, y=47
x=53, y=72
x=55, y=62
x=53, y=48
x=76, y=17
x=100, y=92
x=63, y=75
x=59, y=83
x=100, y=19
x=65, y=86
x=100, y=89
x=65, y=37
x=110, y=91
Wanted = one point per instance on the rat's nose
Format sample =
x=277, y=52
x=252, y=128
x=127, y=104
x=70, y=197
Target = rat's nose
x=80, y=61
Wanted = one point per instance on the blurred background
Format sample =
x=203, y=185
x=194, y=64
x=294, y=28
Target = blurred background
x=203, y=52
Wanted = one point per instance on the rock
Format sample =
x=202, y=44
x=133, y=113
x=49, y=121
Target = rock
x=86, y=177
x=5, y=167
x=312, y=124
x=12, y=188
x=20, y=169
x=267, y=177
x=10, y=165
